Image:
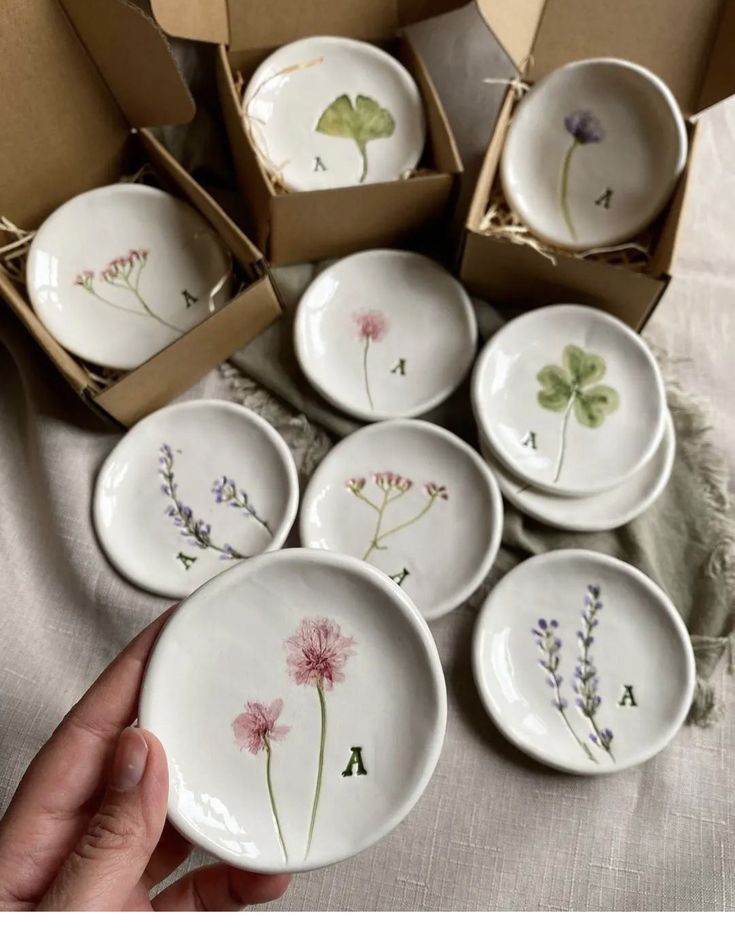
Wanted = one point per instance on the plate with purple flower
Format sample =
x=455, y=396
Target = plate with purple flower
x=413, y=500
x=385, y=334
x=593, y=153
x=301, y=703
x=118, y=273
x=191, y=490
x=583, y=662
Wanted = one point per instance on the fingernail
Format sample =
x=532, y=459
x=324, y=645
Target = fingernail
x=130, y=760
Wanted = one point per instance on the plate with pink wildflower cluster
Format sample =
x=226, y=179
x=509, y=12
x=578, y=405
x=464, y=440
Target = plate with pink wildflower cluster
x=191, y=490
x=583, y=662
x=413, y=500
x=118, y=273
x=302, y=706
x=385, y=334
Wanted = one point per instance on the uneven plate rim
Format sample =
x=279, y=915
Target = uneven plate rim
x=280, y=533
x=461, y=595
x=299, y=341
x=132, y=189
x=548, y=312
x=516, y=500
x=412, y=616
x=683, y=153
x=399, y=69
x=678, y=627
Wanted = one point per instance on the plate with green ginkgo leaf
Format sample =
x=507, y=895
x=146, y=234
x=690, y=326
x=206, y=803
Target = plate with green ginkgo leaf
x=332, y=112
x=569, y=399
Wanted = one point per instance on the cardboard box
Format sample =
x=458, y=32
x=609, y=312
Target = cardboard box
x=688, y=43
x=304, y=226
x=79, y=77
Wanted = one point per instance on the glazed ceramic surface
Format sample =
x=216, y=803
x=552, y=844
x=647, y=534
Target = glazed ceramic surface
x=569, y=399
x=593, y=153
x=385, y=334
x=413, y=500
x=583, y=662
x=118, y=273
x=602, y=512
x=331, y=112
x=302, y=706
x=191, y=490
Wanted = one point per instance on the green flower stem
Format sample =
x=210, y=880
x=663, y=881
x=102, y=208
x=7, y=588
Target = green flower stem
x=582, y=745
x=374, y=544
x=564, y=191
x=113, y=305
x=381, y=536
x=563, y=440
x=320, y=768
x=363, y=152
x=599, y=736
x=274, y=809
x=365, y=373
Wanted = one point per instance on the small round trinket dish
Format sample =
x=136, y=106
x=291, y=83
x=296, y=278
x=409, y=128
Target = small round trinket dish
x=302, y=706
x=415, y=501
x=118, y=273
x=332, y=112
x=583, y=662
x=385, y=334
x=190, y=490
x=593, y=153
x=602, y=512
x=569, y=399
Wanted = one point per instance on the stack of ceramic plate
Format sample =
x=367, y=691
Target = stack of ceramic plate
x=571, y=412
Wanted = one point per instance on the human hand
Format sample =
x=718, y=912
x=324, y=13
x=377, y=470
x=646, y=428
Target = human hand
x=87, y=827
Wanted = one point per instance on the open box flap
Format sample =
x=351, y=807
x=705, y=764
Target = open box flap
x=261, y=24
x=134, y=59
x=673, y=38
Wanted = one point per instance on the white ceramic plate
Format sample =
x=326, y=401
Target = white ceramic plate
x=415, y=501
x=569, y=399
x=118, y=273
x=385, y=334
x=284, y=662
x=607, y=510
x=331, y=112
x=189, y=491
x=583, y=662
x=593, y=153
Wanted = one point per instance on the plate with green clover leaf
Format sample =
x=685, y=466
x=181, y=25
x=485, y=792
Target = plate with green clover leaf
x=332, y=112
x=570, y=400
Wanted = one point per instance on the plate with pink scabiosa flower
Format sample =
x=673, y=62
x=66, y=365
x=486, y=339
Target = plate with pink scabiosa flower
x=583, y=662
x=191, y=490
x=413, y=500
x=570, y=400
x=385, y=334
x=118, y=273
x=593, y=154
x=302, y=706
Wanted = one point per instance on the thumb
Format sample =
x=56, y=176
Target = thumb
x=110, y=858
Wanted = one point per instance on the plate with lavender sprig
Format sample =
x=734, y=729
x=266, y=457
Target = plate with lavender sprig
x=120, y=272
x=385, y=333
x=583, y=662
x=192, y=490
x=413, y=500
x=593, y=154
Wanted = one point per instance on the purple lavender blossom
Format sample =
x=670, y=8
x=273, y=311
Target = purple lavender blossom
x=586, y=679
x=196, y=531
x=584, y=127
x=226, y=493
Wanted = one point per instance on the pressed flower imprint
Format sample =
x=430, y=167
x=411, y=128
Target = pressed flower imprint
x=124, y=273
x=370, y=327
x=574, y=385
x=316, y=657
x=196, y=531
x=362, y=122
x=586, y=681
x=585, y=129
x=392, y=487
x=226, y=492
x=256, y=729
